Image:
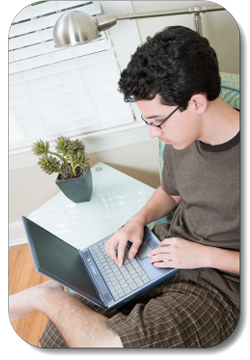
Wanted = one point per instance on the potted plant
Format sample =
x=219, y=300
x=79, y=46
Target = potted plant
x=70, y=163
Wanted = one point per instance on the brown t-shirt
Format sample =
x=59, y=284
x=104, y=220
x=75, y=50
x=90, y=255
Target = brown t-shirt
x=207, y=178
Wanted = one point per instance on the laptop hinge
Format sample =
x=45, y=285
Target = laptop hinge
x=96, y=277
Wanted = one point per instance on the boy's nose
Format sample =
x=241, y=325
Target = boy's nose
x=154, y=131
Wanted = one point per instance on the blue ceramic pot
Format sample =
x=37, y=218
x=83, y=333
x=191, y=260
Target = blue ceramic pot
x=77, y=189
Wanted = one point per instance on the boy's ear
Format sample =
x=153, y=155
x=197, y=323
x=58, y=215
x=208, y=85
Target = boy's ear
x=199, y=101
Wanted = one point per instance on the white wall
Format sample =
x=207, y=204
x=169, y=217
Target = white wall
x=29, y=188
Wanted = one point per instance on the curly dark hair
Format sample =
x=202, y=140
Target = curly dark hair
x=176, y=64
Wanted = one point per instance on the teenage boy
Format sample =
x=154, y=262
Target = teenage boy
x=174, y=80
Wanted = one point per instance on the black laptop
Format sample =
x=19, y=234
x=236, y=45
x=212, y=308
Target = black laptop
x=90, y=272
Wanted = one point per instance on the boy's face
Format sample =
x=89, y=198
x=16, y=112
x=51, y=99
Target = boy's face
x=180, y=130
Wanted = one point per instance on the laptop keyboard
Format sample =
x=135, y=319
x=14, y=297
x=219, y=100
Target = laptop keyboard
x=120, y=280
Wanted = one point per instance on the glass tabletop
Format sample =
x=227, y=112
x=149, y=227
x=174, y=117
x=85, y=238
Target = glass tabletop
x=115, y=198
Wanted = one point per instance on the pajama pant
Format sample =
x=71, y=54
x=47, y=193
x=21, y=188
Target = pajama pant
x=175, y=314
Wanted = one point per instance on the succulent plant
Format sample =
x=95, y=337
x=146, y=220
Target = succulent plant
x=69, y=160
x=64, y=146
x=49, y=164
x=40, y=147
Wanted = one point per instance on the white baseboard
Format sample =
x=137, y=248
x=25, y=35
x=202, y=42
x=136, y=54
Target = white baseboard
x=17, y=234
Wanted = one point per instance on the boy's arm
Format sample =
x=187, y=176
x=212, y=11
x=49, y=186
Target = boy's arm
x=159, y=205
x=224, y=260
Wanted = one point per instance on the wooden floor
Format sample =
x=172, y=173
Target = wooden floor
x=22, y=275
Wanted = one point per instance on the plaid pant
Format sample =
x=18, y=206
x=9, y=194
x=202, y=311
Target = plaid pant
x=176, y=314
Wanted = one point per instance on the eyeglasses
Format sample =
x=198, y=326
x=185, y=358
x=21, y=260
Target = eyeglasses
x=159, y=126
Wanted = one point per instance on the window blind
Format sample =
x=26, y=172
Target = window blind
x=68, y=91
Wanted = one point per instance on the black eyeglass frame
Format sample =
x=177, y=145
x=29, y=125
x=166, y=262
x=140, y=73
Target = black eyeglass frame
x=159, y=126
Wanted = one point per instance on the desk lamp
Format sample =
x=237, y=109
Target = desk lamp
x=76, y=27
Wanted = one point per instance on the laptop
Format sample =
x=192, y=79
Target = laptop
x=90, y=272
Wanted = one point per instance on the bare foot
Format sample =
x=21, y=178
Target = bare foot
x=27, y=301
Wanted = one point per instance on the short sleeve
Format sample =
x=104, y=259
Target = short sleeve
x=167, y=178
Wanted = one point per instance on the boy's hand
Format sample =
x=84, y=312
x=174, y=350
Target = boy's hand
x=133, y=231
x=180, y=254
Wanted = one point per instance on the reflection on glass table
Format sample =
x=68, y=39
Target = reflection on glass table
x=115, y=198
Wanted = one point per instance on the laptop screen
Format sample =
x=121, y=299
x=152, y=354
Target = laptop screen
x=59, y=259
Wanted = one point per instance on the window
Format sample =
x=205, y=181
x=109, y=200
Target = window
x=70, y=91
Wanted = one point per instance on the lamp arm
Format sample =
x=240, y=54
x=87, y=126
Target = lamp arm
x=106, y=21
x=188, y=11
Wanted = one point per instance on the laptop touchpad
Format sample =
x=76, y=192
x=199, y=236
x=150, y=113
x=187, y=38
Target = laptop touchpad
x=143, y=251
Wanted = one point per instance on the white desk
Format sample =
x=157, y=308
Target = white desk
x=115, y=198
